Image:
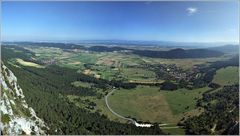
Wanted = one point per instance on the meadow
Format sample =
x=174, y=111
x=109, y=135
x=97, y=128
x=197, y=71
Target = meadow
x=183, y=100
x=152, y=104
x=227, y=76
x=26, y=63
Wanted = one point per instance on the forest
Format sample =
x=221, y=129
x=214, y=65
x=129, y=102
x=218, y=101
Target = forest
x=221, y=113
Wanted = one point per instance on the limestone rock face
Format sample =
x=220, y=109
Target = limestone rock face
x=16, y=116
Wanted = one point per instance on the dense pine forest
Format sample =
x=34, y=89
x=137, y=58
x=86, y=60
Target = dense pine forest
x=221, y=113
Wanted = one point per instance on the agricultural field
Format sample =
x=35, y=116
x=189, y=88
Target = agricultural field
x=45, y=52
x=142, y=103
x=174, y=131
x=138, y=74
x=227, y=76
x=183, y=100
x=152, y=104
x=187, y=64
x=30, y=64
x=111, y=65
x=106, y=65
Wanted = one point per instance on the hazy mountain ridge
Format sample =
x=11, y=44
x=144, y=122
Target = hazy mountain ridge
x=173, y=53
x=179, y=53
x=226, y=48
x=17, y=117
x=125, y=43
x=170, y=54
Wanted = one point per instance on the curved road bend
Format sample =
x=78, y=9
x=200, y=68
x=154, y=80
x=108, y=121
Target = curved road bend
x=120, y=116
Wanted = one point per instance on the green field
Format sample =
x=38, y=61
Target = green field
x=26, y=63
x=46, y=52
x=107, y=65
x=139, y=74
x=185, y=63
x=69, y=59
x=149, y=104
x=183, y=100
x=142, y=103
x=227, y=76
x=174, y=131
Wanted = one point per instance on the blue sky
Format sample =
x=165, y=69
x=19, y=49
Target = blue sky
x=201, y=21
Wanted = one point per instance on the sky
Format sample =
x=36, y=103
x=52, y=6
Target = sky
x=183, y=21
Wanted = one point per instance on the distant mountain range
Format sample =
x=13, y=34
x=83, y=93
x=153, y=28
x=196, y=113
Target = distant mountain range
x=179, y=53
x=226, y=48
x=164, y=44
x=170, y=54
x=173, y=53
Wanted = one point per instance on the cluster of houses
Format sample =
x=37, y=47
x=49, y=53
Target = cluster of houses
x=176, y=73
x=49, y=61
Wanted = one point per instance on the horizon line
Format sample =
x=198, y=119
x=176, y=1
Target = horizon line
x=121, y=40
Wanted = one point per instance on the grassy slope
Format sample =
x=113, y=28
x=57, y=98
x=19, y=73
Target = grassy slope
x=30, y=64
x=227, y=76
x=139, y=74
x=174, y=131
x=180, y=99
x=148, y=104
x=143, y=103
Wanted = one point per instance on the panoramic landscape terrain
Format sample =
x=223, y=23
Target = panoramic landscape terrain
x=65, y=82
x=116, y=87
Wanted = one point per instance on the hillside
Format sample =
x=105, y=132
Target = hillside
x=177, y=53
x=106, y=48
x=17, y=118
x=226, y=48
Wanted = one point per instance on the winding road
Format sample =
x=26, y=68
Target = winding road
x=120, y=116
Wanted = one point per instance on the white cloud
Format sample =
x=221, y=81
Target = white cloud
x=191, y=11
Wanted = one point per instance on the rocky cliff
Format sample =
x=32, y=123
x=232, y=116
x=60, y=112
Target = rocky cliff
x=16, y=116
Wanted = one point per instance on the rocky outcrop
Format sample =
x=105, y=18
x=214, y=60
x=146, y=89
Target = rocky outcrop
x=16, y=116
